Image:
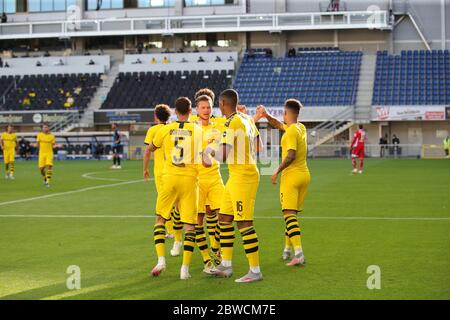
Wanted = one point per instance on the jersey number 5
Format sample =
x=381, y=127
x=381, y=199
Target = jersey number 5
x=178, y=160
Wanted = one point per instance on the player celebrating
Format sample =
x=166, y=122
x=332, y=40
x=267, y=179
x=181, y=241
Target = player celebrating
x=210, y=184
x=181, y=142
x=295, y=177
x=239, y=143
x=162, y=115
x=117, y=147
x=211, y=217
x=357, y=149
x=8, y=142
x=46, y=143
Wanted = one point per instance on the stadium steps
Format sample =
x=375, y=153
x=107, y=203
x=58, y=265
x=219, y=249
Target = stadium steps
x=327, y=130
x=327, y=137
x=87, y=120
x=365, y=88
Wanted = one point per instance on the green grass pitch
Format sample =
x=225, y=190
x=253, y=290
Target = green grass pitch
x=396, y=215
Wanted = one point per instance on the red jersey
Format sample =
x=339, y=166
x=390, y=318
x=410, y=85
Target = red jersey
x=358, y=139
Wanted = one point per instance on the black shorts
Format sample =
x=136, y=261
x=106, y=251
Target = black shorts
x=117, y=149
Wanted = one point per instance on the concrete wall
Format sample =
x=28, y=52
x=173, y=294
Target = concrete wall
x=177, y=57
x=409, y=132
x=177, y=67
x=72, y=64
x=75, y=61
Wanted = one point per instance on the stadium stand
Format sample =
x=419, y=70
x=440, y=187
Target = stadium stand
x=325, y=78
x=318, y=49
x=51, y=92
x=5, y=83
x=412, y=78
x=147, y=89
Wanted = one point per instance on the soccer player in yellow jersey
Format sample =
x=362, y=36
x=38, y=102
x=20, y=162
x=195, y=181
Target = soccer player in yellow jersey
x=210, y=184
x=46, y=142
x=295, y=176
x=239, y=144
x=181, y=143
x=162, y=115
x=8, y=143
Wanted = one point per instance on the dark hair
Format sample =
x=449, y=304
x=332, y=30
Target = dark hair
x=293, y=105
x=45, y=124
x=361, y=126
x=205, y=92
x=204, y=98
x=162, y=112
x=182, y=105
x=230, y=96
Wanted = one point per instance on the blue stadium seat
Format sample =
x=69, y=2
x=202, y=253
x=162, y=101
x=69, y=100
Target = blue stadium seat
x=414, y=77
x=316, y=76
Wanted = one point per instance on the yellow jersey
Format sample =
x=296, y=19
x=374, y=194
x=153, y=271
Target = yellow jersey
x=211, y=135
x=158, y=163
x=294, y=138
x=9, y=140
x=219, y=122
x=182, y=145
x=241, y=133
x=46, y=142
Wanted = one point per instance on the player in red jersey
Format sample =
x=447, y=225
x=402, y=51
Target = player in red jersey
x=357, y=148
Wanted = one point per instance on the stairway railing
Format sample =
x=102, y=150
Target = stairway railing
x=331, y=126
x=72, y=118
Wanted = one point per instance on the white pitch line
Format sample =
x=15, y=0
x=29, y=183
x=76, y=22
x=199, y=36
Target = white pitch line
x=65, y=216
x=89, y=176
x=70, y=192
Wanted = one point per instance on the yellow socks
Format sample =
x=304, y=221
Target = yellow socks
x=211, y=224
x=48, y=175
x=177, y=225
x=251, y=247
x=159, y=235
x=293, y=231
x=226, y=240
x=189, y=243
x=200, y=239
x=11, y=169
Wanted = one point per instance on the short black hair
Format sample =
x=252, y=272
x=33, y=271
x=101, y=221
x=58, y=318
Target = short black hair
x=231, y=96
x=182, y=105
x=205, y=92
x=162, y=112
x=45, y=124
x=294, y=105
x=204, y=98
x=361, y=126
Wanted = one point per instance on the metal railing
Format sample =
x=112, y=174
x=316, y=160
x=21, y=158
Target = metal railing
x=6, y=92
x=330, y=127
x=72, y=118
x=198, y=24
x=342, y=150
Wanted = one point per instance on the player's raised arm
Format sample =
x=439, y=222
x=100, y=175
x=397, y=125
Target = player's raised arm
x=260, y=113
x=274, y=122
